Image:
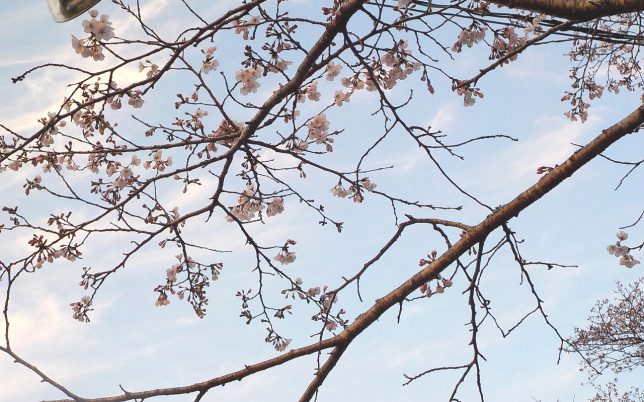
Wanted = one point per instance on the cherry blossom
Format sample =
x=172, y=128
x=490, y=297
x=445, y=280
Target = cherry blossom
x=152, y=68
x=242, y=27
x=331, y=325
x=534, y=25
x=367, y=184
x=285, y=257
x=116, y=104
x=341, y=97
x=282, y=344
x=81, y=308
x=248, y=78
x=275, y=207
x=210, y=64
x=469, y=37
x=162, y=300
x=469, y=95
x=332, y=71
x=619, y=250
x=248, y=206
x=157, y=162
x=318, y=128
x=172, y=273
x=101, y=28
x=215, y=270
x=339, y=191
x=312, y=92
x=628, y=261
x=94, y=51
x=135, y=100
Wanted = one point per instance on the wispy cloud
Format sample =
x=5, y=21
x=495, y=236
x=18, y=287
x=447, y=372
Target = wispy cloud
x=535, y=65
x=508, y=169
x=444, y=119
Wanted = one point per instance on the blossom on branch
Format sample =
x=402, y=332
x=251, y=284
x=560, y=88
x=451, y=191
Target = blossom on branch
x=619, y=250
x=101, y=28
x=248, y=78
x=318, y=128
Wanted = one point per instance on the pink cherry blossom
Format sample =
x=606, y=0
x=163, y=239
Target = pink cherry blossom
x=248, y=78
x=332, y=71
x=318, y=128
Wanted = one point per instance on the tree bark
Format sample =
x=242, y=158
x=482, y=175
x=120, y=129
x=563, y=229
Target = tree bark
x=576, y=10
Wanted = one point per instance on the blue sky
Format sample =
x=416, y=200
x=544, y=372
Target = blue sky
x=139, y=346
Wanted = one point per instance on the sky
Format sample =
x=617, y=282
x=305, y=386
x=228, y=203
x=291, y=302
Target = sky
x=134, y=344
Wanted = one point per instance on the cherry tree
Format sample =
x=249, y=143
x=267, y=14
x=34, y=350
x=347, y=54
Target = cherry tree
x=614, y=339
x=254, y=133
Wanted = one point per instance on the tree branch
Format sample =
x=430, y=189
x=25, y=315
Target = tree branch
x=576, y=10
x=502, y=214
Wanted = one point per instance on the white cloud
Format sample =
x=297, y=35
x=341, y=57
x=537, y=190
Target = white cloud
x=510, y=168
x=535, y=65
x=444, y=118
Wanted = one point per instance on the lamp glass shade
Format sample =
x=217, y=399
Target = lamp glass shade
x=65, y=10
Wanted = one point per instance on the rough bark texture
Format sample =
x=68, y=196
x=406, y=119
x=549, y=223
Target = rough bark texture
x=576, y=10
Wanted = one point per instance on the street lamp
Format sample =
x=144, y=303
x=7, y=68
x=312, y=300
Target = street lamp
x=65, y=10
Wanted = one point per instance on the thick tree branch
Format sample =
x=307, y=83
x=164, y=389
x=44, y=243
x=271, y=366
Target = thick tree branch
x=322, y=373
x=501, y=215
x=576, y=10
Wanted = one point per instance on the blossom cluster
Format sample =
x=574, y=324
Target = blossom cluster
x=125, y=175
x=99, y=30
x=81, y=308
x=209, y=64
x=507, y=42
x=46, y=252
x=249, y=204
x=469, y=37
x=393, y=66
x=135, y=97
x=47, y=138
x=354, y=191
x=225, y=133
x=248, y=79
x=301, y=293
x=152, y=68
x=441, y=284
x=319, y=129
x=332, y=70
x=397, y=60
x=279, y=343
x=623, y=252
x=534, y=25
x=88, y=48
x=158, y=162
x=580, y=108
x=192, y=285
x=285, y=256
x=469, y=94
x=311, y=91
x=243, y=27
